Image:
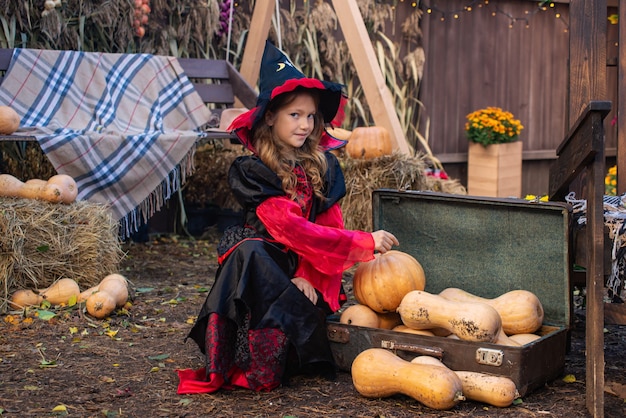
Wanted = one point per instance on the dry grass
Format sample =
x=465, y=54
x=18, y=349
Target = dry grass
x=42, y=242
x=396, y=172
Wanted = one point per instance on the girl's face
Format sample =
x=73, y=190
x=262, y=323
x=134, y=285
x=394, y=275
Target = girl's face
x=293, y=123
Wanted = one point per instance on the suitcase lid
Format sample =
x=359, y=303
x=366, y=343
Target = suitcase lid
x=485, y=246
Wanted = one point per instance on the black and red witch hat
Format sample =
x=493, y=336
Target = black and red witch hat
x=277, y=76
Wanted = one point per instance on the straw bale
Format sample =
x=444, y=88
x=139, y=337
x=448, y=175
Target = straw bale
x=208, y=185
x=42, y=242
x=397, y=171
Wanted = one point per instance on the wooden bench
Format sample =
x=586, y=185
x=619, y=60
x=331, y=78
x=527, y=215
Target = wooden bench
x=217, y=82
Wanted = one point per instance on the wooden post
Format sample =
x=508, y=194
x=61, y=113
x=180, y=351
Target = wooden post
x=255, y=42
x=620, y=107
x=587, y=82
x=376, y=91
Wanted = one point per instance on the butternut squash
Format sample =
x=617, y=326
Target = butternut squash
x=470, y=321
x=388, y=320
x=67, y=185
x=404, y=328
x=504, y=339
x=377, y=373
x=9, y=186
x=9, y=120
x=60, y=291
x=22, y=298
x=494, y=390
x=100, y=304
x=58, y=189
x=86, y=293
x=523, y=339
x=520, y=310
x=116, y=288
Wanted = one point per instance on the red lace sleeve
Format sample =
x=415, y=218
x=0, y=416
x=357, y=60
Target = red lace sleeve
x=325, y=248
x=332, y=248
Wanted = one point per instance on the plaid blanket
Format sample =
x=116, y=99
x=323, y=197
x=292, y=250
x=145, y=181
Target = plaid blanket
x=123, y=125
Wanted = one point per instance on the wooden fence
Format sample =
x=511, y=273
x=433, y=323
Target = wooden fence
x=507, y=53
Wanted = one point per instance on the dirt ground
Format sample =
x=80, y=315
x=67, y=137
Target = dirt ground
x=126, y=366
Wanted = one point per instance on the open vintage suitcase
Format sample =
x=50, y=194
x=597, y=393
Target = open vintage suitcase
x=486, y=246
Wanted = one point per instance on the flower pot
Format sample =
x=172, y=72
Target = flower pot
x=495, y=170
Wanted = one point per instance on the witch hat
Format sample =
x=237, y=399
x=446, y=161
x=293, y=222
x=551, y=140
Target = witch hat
x=277, y=76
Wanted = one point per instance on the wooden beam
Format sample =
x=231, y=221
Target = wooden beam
x=255, y=42
x=587, y=46
x=376, y=92
x=620, y=106
x=587, y=82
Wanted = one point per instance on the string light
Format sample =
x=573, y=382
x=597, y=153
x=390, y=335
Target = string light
x=471, y=5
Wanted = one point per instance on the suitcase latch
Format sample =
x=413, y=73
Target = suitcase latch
x=489, y=356
x=338, y=334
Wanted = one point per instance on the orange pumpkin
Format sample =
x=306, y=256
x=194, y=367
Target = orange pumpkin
x=369, y=142
x=381, y=283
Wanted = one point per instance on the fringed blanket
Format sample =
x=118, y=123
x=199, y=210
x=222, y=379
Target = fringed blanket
x=614, y=209
x=123, y=125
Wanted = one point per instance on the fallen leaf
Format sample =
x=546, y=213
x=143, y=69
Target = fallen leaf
x=44, y=314
x=616, y=389
x=570, y=378
x=159, y=357
x=60, y=408
x=107, y=379
x=73, y=330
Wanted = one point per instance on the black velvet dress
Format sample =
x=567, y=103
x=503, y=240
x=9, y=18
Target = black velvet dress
x=256, y=327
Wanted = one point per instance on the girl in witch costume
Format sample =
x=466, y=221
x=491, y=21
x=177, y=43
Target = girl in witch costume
x=280, y=273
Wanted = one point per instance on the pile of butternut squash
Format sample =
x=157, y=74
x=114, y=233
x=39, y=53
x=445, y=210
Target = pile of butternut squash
x=59, y=188
x=390, y=295
x=100, y=301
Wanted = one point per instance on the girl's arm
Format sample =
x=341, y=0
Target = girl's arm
x=332, y=248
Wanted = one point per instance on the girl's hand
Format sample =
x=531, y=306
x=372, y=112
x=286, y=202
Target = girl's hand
x=306, y=288
x=383, y=241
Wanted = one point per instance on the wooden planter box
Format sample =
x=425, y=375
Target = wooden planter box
x=495, y=170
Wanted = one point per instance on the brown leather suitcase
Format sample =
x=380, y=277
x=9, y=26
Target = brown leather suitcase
x=486, y=246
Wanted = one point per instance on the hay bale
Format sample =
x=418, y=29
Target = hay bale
x=42, y=242
x=397, y=171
